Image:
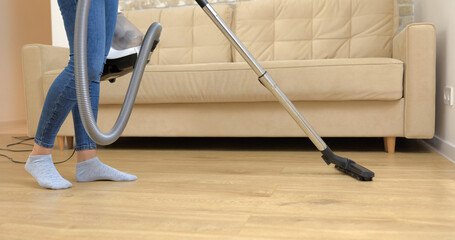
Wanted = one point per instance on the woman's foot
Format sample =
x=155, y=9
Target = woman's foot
x=93, y=170
x=42, y=168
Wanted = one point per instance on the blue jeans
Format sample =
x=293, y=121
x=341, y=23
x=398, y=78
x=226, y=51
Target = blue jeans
x=61, y=97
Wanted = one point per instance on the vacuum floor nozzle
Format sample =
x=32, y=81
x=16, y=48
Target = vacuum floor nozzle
x=347, y=166
x=356, y=171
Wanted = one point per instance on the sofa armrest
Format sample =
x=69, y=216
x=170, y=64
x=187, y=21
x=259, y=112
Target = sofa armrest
x=36, y=60
x=416, y=47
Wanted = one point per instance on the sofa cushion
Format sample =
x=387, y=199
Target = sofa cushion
x=188, y=36
x=316, y=29
x=300, y=80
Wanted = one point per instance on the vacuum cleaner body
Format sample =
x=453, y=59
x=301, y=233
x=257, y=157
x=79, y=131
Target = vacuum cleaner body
x=119, y=63
x=124, y=51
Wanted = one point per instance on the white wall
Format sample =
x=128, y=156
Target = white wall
x=8, y=66
x=442, y=14
x=58, y=29
x=21, y=22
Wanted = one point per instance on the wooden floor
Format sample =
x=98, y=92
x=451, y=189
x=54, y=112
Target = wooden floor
x=236, y=189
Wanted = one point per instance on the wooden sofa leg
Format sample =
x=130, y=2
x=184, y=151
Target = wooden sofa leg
x=60, y=143
x=389, y=144
x=69, y=141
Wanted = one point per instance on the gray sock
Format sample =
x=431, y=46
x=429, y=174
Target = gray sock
x=43, y=170
x=93, y=169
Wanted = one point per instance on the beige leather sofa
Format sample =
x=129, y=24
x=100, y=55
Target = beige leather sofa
x=342, y=62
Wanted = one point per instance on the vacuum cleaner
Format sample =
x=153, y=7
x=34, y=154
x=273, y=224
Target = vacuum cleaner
x=150, y=41
x=124, y=50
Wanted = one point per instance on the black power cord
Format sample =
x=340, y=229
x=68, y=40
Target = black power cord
x=22, y=141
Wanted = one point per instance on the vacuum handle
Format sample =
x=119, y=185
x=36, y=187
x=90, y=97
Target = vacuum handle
x=202, y=3
x=343, y=164
x=265, y=79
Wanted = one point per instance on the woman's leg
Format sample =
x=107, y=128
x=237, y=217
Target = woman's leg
x=56, y=107
x=61, y=97
x=85, y=146
x=89, y=167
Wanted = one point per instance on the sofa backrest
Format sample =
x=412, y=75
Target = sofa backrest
x=275, y=30
x=188, y=37
x=316, y=29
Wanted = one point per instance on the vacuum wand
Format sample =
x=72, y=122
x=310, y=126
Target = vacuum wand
x=343, y=164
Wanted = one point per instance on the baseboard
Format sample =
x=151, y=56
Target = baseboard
x=443, y=147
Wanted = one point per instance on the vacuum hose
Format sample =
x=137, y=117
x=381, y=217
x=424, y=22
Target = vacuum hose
x=151, y=39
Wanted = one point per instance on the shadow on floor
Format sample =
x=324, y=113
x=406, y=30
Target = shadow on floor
x=263, y=144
